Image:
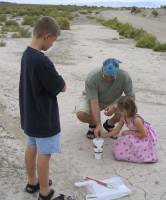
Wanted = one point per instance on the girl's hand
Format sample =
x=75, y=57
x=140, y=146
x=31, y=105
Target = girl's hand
x=122, y=118
x=113, y=133
x=127, y=132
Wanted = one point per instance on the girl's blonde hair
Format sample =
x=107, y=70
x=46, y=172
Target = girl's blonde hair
x=127, y=103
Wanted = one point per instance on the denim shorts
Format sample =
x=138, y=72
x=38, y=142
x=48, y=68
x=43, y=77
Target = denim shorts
x=46, y=145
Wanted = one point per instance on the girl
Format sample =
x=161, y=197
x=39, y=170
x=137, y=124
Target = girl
x=138, y=143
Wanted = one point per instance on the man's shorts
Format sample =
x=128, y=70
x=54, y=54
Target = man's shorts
x=83, y=105
x=46, y=145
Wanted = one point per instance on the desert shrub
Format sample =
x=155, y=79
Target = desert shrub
x=39, y=10
x=135, y=10
x=142, y=38
x=146, y=40
x=163, y=6
x=112, y=23
x=84, y=12
x=155, y=13
x=114, y=38
x=16, y=35
x=2, y=43
x=6, y=29
x=21, y=33
x=126, y=30
x=91, y=17
x=24, y=33
x=29, y=20
x=11, y=23
x=138, y=32
x=160, y=47
x=63, y=23
x=2, y=18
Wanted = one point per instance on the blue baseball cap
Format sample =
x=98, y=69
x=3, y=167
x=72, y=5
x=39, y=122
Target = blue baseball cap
x=111, y=67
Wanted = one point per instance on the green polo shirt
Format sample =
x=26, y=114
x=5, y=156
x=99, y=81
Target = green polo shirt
x=107, y=93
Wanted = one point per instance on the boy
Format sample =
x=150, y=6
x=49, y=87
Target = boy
x=39, y=86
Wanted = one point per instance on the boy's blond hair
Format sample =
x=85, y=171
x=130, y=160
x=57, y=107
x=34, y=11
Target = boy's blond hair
x=46, y=25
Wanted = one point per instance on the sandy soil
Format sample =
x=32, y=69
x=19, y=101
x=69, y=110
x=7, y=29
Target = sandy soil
x=154, y=25
x=76, y=52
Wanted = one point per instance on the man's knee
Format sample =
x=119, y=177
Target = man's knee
x=80, y=115
x=84, y=117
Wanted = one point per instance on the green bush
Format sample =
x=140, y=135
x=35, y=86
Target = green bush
x=83, y=12
x=91, y=17
x=146, y=40
x=135, y=10
x=126, y=30
x=155, y=13
x=16, y=35
x=160, y=47
x=112, y=23
x=6, y=29
x=63, y=23
x=29, y=20
x=142, y=38
x=11, y=23
x=2, y=18
x=2, y=44
x=39, y=10
x=22, y=33
x=163, y=6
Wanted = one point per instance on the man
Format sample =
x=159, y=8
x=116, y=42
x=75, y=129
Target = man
x=103, y=87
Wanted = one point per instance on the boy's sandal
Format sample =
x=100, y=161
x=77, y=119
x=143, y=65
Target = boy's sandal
x=48, y=197
x=108, y=128
x=34, y=188
x=90, y=135
x=64, y=197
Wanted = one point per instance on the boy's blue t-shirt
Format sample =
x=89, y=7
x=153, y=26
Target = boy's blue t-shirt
x=39, y=86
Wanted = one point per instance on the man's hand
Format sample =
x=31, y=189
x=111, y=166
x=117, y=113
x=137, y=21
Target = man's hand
x=110, y=110
x=98, y=130
x=64, y=89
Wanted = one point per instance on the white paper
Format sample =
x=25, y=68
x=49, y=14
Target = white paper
x=99, y=192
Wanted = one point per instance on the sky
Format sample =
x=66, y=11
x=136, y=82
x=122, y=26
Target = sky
x=73, y=1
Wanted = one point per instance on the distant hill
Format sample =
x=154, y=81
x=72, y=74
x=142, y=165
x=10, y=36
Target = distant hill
x=146, y=4
x=3, y=2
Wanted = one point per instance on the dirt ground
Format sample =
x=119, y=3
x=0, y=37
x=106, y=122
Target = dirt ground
x=76, y=52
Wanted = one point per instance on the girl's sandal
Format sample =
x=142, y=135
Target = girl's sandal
x=31, y=189
x=48, y=197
